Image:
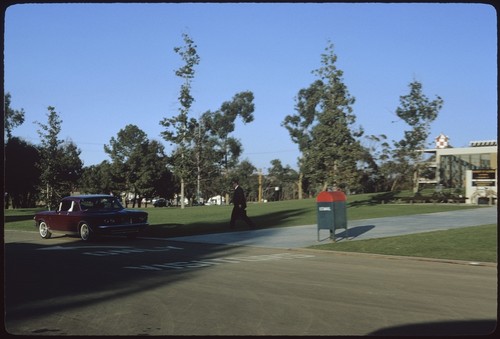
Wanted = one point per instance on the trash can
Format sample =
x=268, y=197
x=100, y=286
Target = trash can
x=331, y=212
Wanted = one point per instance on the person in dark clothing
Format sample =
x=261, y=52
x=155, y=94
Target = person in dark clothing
x=239, y=208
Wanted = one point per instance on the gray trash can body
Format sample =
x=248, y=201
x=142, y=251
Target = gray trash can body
x=331, y=212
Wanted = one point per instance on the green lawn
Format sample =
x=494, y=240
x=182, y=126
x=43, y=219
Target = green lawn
x=478, y=243
x=172, y=222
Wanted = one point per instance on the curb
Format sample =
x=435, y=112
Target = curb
x=399, y=257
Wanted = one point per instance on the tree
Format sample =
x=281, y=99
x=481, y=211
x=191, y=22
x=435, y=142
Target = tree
x=180, y=129
x=322, y=127
x=125, y=152
x=12, y=118
x=376, y=152
x=283, y=181
x=70, y=167
x=244, y=172
x=98, y=179
x=154, y=177
x=60, y=163
x=22, y=174
x=224, y=150
x=14, y=151
x=137, y=164
x=418, y=112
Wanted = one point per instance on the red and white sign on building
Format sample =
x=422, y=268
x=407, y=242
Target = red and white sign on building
x=442, y=141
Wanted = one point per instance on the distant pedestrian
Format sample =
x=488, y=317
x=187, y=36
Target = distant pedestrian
x=239, y=208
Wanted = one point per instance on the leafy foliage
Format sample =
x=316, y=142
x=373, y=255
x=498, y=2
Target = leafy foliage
x=138, y=165
x=418, y=112
x=322, y=128
x=60, y=163
x=12, y=117
x=281, y=182
x=22, y=174
x=207, y=152
x=180, y=129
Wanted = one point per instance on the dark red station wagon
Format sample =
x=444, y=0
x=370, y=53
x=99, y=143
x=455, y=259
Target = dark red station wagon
x=91, y=215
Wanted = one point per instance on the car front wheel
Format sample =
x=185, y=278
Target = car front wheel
x=43, y=228
x=85, y=232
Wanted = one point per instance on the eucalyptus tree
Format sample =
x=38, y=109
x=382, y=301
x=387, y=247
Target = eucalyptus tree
x=225, y=150
x=322, y=127
x=180, y=129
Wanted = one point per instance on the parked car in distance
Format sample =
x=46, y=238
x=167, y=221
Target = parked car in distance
x=160, y=202
x=91, y=215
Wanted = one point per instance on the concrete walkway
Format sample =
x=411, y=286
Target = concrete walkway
x=304, y=236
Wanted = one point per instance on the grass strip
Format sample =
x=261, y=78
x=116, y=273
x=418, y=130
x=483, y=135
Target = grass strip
x=478, y=243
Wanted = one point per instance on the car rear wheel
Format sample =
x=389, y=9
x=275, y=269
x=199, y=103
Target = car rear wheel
x=43, y=228
x=85, y=232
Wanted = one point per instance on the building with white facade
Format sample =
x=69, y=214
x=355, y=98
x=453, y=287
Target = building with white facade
x=471, y=169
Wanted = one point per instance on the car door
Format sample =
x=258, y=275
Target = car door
x=68, y=216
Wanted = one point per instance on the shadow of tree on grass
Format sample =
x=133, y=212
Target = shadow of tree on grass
x=270, y=220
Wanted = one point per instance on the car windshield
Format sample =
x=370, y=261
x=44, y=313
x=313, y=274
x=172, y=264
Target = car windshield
x=101, y=203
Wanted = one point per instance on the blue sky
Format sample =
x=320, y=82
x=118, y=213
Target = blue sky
x=103, y=66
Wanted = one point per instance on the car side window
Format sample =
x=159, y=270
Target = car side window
x=99, y=204
x=74, y=207
x=87, y=204
x=65, y=206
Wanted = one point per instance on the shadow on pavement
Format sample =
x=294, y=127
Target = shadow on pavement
x=354, y=232
x=473, y=327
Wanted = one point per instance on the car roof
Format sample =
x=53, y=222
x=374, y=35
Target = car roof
x=87, y=196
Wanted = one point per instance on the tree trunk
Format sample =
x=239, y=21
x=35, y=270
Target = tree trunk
x=394, y=184
x=182, y=193
x=300, y=185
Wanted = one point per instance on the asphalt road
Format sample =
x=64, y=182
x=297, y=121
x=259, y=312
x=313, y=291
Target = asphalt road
x=117, y=286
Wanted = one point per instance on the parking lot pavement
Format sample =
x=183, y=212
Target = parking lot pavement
x=307, y=235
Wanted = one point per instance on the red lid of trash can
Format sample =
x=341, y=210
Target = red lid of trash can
x=331, y=196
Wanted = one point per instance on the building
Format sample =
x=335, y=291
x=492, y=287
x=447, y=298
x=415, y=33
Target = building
x=473, y=169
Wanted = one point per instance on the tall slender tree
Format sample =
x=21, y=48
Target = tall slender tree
x=418, y=112
x=60, y=162
x=322, y=127
x=180, y=129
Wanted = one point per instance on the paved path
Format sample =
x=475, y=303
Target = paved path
x=304, y=236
